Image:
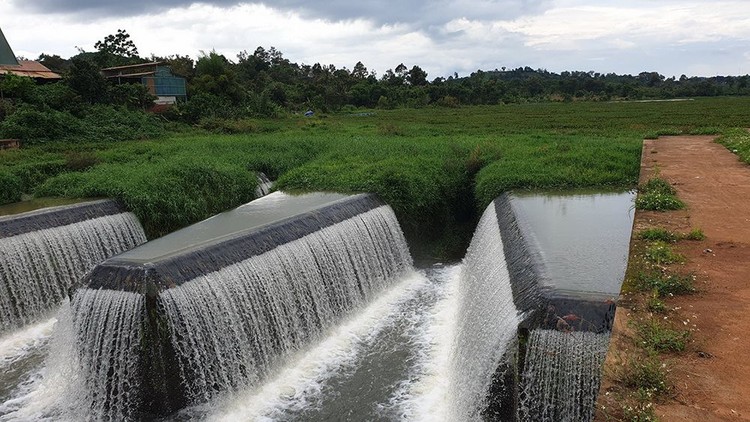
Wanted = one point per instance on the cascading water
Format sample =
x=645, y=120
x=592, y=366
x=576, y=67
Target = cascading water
x=38, y=267
x=230, y=327
x=221, y=315
x=561, y=377
x=487, y=321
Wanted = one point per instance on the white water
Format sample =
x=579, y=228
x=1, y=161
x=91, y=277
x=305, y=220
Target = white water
x=38, y=268
x=231, y=327
x=561, y=375
x=487, y=321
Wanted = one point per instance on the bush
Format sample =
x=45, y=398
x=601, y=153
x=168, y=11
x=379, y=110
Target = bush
x=12, y=188
x=33, y=125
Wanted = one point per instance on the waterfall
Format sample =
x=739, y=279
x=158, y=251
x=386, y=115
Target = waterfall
x=38, y=266
x=561, y=377
x=108, y=336
x=223, y=314
x=487, y=321
x=231, y=326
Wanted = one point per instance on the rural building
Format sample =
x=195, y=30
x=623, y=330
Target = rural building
x=28, y=68
x=156, y=76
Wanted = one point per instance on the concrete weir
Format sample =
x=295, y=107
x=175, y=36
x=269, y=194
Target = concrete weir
x=45, y=252
x=219, y=304
x=564, y=331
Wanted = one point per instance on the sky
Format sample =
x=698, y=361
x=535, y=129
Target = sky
x=672, y=37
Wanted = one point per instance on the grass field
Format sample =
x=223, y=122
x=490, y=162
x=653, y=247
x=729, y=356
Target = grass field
x=437, y=167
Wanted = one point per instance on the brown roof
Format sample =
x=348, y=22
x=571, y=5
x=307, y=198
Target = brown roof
x=31, y=69
x=130, y=66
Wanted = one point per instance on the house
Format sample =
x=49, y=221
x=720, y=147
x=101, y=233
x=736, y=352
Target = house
x=28, y=68
x=156, y=76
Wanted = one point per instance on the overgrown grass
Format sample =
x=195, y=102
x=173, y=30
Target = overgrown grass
x=437, y=167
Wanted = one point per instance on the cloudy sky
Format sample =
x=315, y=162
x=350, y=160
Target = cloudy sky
x=673, y=37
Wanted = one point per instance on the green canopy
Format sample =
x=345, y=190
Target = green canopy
x=6, y=53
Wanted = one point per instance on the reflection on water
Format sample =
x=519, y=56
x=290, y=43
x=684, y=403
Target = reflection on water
x=582, y=238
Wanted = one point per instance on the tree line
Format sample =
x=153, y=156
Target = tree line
x=266, y=84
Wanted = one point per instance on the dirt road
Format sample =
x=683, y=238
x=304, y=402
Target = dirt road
x=711, y=380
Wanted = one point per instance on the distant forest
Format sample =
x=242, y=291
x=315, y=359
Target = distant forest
x=265, y=84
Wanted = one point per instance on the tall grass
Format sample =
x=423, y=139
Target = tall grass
x=437, y=167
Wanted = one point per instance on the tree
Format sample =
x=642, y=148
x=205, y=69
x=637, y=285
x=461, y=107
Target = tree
x=416, y=76
x=85, y=79
x=118, y=44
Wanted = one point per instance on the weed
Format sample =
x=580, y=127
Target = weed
x=647, y=374
x=695, y=234
x=661, y=253
x=673, y=284
x=658, y=234
x=657, y=195
x=640, y=412
x=654, y=303
x=660, y=338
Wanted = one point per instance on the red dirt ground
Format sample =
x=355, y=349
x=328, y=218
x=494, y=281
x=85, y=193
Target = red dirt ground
x=711, y=380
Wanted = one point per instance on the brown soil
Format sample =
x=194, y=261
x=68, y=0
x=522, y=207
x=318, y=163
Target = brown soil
x=711, y=379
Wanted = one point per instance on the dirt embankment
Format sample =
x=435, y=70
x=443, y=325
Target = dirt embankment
x=710, y=381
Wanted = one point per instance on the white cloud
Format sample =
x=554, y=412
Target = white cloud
x=668, y=36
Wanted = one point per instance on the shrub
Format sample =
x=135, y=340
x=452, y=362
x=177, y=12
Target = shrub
x=33, y=125
x=11, y=188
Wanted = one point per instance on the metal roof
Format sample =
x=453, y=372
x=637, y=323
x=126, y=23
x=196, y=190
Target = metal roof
x=31, y=69
x=6, y=53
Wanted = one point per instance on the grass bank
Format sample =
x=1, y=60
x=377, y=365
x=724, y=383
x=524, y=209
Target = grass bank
x=436, y=167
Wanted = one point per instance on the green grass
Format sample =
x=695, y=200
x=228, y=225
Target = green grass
x=658, y=337
x=659, y=234
x=437, y=167
x=646, y=374
x=661, y=253
x=737, y=141
x=658, y=195
x=665, y=284
x=695, y=234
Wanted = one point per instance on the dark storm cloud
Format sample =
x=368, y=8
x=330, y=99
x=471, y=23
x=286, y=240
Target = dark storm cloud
x=421, y=13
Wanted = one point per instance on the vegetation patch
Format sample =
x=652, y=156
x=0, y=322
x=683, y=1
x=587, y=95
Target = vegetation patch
x=659, y=234
x=664, y=283
x=660, y=253
x=658, y=337
x=737, y=141
x=658, y=195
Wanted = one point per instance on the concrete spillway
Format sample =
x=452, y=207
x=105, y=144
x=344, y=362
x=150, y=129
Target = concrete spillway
x=215, y=307
x=43, y=253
